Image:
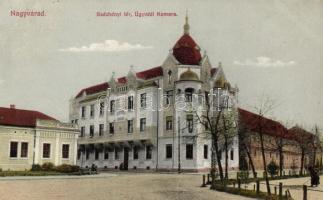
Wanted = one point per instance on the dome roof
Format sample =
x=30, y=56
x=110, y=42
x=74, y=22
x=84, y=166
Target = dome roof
x=219, y=83
x=186, y=51
x=189, y=76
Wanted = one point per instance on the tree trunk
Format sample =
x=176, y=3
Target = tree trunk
x=213, y=167
x=302, y=161
x=251, y=163
x=226, y=159
x=281, y=158
x=264, y=162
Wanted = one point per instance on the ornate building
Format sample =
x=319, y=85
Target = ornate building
x=144, y=120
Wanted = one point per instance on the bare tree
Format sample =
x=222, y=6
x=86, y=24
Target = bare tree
x=302, y=141
x=228, y=133
x=265, y=106
x=213, y=117
x=281, y=141
x=245, y=148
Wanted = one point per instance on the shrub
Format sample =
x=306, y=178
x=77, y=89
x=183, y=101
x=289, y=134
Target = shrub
x=36, y=167
x=65, y=168
x=272, y=168
x=47, y=166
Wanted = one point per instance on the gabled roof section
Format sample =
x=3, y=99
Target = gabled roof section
x=94, y=89
x=21, y=118
x=145, y=75
x=301, y=134
x=253, y=122
x=150, y=73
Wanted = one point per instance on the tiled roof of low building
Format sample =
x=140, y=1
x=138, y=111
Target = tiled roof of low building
x=21, y=118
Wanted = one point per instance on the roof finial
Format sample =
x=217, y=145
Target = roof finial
x=186, y=25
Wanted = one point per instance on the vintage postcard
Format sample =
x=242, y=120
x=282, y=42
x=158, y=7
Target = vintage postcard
x=145, y=100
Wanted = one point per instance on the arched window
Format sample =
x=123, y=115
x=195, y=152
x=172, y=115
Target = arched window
x=169, y=76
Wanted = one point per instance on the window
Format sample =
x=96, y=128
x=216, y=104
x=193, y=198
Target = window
x=142, y=124
x=169, y=123
x=130, y=102
x=24, y=150
x=79, y=154
x=112, y=106
x=91, y=130
x=189, y=121
x=169, y=76
x=13, y=149
x=83, y=111
x=111, y=128
x=101, y=129
x=82, y=131
x=46, y=150
x=206, y=151
x=130, y=126
x=101, y=108
x=116, y=154
x=65, y=150
x=189, y=94
x=97, y=154
x=92, y=110
x=169, y=96
x=143, y=99
x=148, y=152
x=87, y=154
x=135, y=153
x=106, y=154
x=189, y=151
x=231, y=154
x=169, y=151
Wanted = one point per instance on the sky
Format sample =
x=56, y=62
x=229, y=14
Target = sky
x=267, y=48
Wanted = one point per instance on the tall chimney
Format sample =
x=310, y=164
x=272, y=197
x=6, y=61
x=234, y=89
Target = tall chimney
x=12, y=106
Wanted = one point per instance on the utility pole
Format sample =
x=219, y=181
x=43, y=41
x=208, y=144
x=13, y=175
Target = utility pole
x=179, y=145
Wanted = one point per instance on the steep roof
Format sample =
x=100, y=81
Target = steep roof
x=146, y=74
x=186, y=51
x=94, y=89
x=21, y=118
x=301, y=135
x=253, y=121
x=150, y=73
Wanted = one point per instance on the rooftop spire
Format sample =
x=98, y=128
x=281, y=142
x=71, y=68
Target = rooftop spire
x=186, y=25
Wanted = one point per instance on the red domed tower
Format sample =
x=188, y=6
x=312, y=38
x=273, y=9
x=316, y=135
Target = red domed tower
x=186, y=51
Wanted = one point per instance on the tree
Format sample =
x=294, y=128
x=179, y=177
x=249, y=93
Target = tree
x=265, y=106
x=245, y=149
x=216, y=117
x=228, y=133
x=302, y=141
x=278, y=144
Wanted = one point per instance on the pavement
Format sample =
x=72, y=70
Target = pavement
x=111, y=186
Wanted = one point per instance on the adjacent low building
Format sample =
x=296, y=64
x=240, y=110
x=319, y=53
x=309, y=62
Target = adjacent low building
x=31, y=137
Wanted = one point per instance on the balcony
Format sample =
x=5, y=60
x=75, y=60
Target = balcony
x=148, y=135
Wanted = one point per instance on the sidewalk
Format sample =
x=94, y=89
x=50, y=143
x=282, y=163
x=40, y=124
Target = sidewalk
x=95, y=176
